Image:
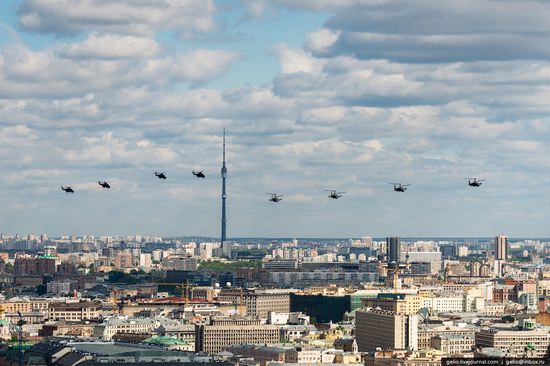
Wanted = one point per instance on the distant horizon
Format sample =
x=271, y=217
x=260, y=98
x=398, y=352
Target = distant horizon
x=381, y=238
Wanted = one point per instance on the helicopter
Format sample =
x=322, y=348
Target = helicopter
x=104, y=184
x=199, y=174
x=333, y=194
x=67, y=189
x=398, y=187
x=474, y=182
x=160, y=175
x=275, y=197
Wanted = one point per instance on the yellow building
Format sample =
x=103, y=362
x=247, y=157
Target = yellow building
x=397, y=303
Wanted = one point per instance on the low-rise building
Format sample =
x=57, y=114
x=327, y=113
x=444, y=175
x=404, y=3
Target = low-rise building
x=522, y=340
x=427, y=332
x=453, y=344
x=74, y=311
x=223, y=332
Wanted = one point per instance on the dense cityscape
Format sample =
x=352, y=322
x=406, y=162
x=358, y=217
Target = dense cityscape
x=94, y=300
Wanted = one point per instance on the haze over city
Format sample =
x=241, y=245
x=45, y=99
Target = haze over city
x=314, y=95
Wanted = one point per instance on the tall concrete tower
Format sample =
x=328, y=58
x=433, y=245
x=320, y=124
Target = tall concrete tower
x=224, y=195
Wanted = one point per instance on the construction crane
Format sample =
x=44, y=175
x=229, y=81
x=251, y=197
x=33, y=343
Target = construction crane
x=185, y=287
x=119, y=305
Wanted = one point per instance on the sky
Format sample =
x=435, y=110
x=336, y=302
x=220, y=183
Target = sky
x=314, y=95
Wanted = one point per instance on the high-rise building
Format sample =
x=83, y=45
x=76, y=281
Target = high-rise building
x=393, y=245
x=448, y=251
x=501, y=247
x=384, y=329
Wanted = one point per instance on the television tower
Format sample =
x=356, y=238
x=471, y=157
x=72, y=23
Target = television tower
x=224, y=195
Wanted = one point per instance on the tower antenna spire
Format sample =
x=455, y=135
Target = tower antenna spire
x=224, y=196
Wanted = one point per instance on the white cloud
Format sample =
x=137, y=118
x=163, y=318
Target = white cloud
x=109, y=47
x=296, y=60
x=136, y=17
x=321, y=40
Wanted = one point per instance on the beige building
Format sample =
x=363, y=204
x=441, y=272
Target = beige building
x=427, y=332
x=388, y=330
x=260, y=302
x=223, y=332
x=127, y=325
x=403, y=358
x=108, y=329
x=304, y=355
x=74, y=311
x=525, y=340
x=453, y=344
x=124, y=260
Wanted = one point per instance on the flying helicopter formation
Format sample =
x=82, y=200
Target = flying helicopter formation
x=333, y=194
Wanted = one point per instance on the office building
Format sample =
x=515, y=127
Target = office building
x=384, y=329
x=393, y=245
x=448, y=251
x=221, y=333
x=261, y=302
x=434, y=258
x=321, y=308
x=524, y=340
x=501, y=247
x=80, y=311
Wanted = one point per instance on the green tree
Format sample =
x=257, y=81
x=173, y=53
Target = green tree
x=41, y=290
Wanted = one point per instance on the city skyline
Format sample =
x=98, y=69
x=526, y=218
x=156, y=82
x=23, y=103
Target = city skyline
x=344, y=95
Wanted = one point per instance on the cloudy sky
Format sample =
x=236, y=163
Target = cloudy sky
x=314, y=94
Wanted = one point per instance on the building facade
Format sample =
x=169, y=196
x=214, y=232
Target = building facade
x=387, y=330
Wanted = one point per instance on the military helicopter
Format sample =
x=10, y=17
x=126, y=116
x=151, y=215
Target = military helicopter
x=104, y=184
x=67, y=189
x=160, y=175
x=474, y=182
x=275, y=197
x=398, y=187
x=333, y=194
x=199, y=174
